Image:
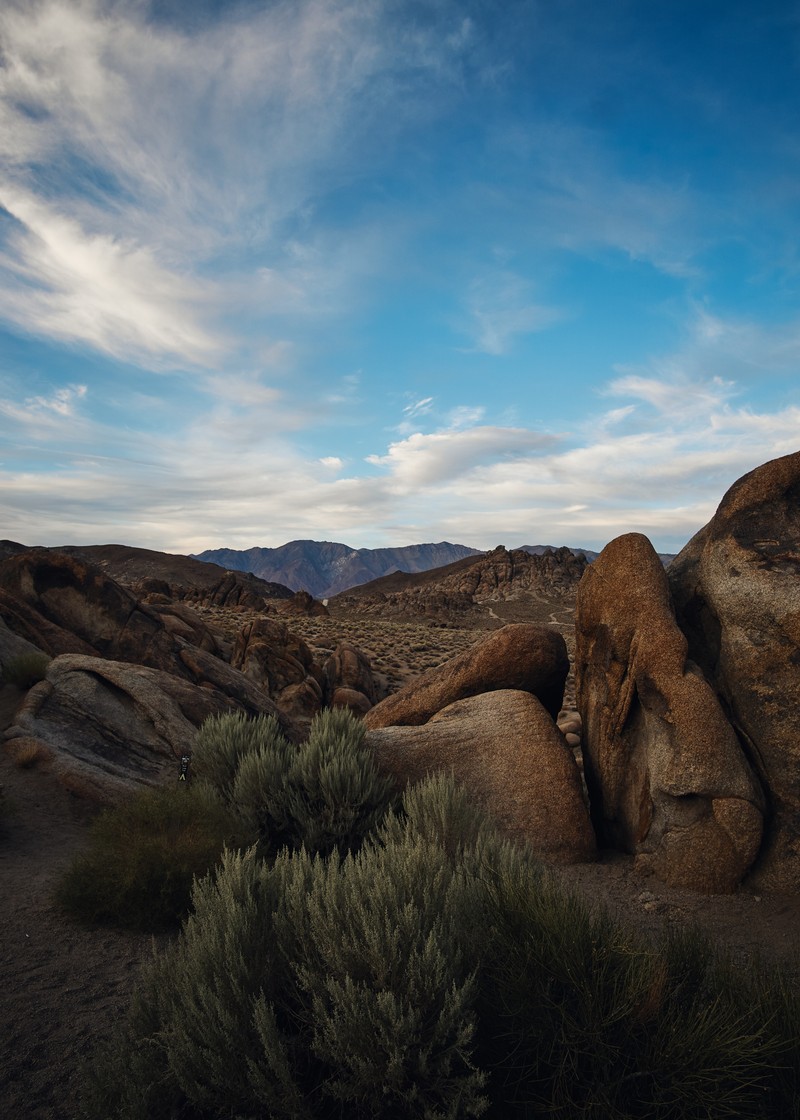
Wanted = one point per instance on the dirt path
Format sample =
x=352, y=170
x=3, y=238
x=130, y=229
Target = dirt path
x=61, y=986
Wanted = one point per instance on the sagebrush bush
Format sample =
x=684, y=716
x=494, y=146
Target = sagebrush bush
x=579, y=1018
x=223, y=741
x=324, y=794
x=437, y=973
x=313, y=985
x=26, y=669
x=142, y=855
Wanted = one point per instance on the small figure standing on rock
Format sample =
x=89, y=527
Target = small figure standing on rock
x=185, y=760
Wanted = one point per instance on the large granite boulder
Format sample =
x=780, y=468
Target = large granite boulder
x=523, y=657
x=82, y=610
x=736, y=587
x=505, y=749
x=107, y=728
x=666, y=775
x=281, y=664
x=13, y=646
x=349, y=682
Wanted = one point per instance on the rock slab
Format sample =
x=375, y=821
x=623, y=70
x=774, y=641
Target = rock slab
x=521, y=657
x=107, y=728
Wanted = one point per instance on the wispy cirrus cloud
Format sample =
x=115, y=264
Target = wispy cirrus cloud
x=141, y=159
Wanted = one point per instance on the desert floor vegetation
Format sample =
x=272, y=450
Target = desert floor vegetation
x=142, y=856
x=429, y=968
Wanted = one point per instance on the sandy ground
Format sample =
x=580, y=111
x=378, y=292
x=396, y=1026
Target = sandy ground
x=61, y=986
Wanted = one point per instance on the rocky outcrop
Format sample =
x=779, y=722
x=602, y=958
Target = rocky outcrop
x=281, y=664
x=349, y=682
x=148, y=573
x=107, y=728
x=505, y=749
x=522, y=657
x=460, y=589
x=304, y=605
x=64, y=605
x=12, y=646
x=666, y=776
x=736, y=587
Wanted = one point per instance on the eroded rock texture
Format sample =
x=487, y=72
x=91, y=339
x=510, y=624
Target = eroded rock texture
x=525, y=657
x=666, y=775
x=736, y=588
x=107, y=728
x=505, y=749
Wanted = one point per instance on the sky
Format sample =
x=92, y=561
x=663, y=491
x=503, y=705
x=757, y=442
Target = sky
x=394, y=271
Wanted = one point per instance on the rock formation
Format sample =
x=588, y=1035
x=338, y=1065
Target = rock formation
x=348, y=678
x=108, y=728
x=505, y=749
x=666, y=776
x=736, y=587
x=523, y=657
x=280, y=663
x=460, y=589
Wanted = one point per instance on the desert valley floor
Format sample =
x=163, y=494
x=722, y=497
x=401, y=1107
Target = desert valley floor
x=61, y=986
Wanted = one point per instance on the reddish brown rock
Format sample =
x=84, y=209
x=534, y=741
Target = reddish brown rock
x=349, y=679
x=505, y=749
x=108, y=728
x=666, y=776
x=281, y=663
x=522, y=657
x=736, y=587
x=304, y=605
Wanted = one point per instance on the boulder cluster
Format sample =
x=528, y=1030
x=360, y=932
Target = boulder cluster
x=683, y=748
x=130, y=681
x=688, y=695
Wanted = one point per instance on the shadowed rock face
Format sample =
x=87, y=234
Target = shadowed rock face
x=505, y=749
x=666, y=775
x=106, y=729
x=736, y=587
x=524, y=657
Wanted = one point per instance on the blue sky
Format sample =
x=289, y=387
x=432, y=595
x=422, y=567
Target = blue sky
x=391, y=272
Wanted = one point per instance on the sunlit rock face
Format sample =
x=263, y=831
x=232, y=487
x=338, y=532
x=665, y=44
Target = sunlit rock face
x=666, y=775
x=505, y=749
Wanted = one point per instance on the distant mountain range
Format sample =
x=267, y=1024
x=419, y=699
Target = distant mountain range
x=325, y=568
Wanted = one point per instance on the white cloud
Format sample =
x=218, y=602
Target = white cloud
x=57, y=280
x=500, y=308
x=444, y=457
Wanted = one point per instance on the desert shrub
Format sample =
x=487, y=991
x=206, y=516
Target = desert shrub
x=223, y=741
x=300, y=989
x=26, y=669
x=325, y=794
x=142, y=856
x=578, y=1018
x=437, y=972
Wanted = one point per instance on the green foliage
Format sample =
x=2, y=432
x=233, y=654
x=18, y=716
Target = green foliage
x=580, y=1019
x=325, y=794
x=142, y=856
x=223, y=741
x=25, y=670
x=437, y=972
